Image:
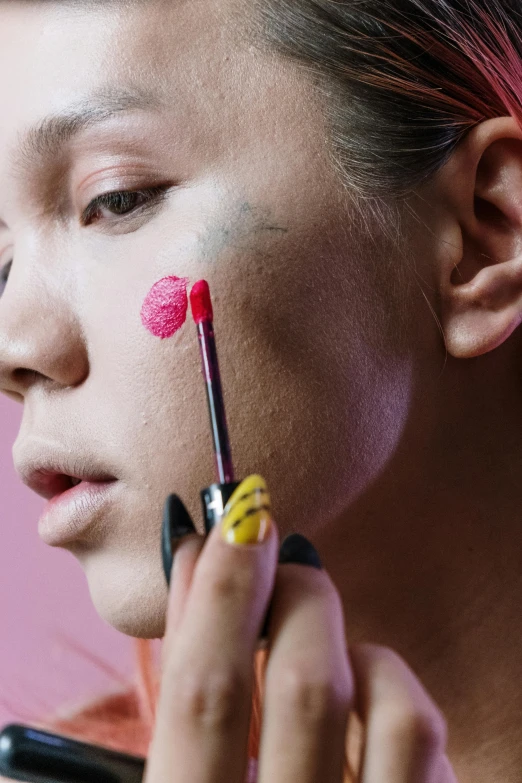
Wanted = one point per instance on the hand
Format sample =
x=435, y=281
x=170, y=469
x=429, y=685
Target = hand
x=219, y=596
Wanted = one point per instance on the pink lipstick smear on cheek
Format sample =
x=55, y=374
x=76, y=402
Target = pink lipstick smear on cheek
x=164, y=310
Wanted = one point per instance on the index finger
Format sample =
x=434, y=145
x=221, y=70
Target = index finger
x=204, y=709
x=187, y=552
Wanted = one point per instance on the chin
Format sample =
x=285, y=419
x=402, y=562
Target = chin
x=133, y=600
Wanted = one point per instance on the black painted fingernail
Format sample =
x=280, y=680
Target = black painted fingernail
x=266, y=623
x=298, y=549
x=176, y=525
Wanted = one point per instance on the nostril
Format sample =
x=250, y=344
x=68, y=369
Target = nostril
x=4, y=276
x=25, y=377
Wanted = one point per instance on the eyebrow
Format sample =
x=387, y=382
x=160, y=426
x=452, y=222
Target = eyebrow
x=46, y=140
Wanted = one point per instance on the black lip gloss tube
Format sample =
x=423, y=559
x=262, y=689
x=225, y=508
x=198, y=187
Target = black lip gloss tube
x=214, y=499
x=36, y=756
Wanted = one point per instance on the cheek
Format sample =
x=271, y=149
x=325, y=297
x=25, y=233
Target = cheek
x=316, y=397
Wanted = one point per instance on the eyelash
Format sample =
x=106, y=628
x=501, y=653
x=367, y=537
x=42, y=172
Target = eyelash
x=119, y=199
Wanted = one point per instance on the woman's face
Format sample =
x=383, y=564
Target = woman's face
x=317, y=377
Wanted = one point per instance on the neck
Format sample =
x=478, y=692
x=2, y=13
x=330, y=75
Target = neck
x=432, y=567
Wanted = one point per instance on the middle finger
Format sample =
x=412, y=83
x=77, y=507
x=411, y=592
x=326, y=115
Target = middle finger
x=308, y=684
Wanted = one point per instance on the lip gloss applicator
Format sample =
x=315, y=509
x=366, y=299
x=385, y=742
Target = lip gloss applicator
x=215, y=497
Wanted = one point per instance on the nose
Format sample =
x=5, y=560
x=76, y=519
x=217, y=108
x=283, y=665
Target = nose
x=41, y=340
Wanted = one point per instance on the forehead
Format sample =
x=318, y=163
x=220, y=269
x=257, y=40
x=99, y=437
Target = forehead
x=55, y=55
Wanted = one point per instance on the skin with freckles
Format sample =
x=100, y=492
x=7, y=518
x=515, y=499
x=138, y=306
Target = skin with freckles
x=396, y=453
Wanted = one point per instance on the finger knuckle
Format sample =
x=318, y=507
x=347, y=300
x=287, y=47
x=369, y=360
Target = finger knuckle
x=313, y=697
x=212, y=701
x=233, y=584
x=424, y=730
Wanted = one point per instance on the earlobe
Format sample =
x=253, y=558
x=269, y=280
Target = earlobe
x=481, y=291
x=480, y=315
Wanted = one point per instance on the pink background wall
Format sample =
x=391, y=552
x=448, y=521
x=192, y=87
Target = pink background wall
x=43, y=596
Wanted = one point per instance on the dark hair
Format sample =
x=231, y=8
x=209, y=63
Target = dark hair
x=402, y=81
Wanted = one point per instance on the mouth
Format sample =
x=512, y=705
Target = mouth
x=50, y=483
x=78, y=491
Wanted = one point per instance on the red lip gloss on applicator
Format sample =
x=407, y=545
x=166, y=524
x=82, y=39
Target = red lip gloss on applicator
x=215, y=497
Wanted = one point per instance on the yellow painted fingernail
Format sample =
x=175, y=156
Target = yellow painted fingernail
x=247, y=518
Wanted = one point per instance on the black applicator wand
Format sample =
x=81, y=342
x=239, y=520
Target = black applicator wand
x=216, y=496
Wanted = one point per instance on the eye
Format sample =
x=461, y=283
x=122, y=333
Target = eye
x=4, y=276
x=123, y=203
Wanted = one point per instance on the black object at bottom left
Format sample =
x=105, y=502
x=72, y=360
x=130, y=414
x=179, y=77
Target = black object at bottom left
x=35, y=756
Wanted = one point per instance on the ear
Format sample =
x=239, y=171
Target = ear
x=480, y=278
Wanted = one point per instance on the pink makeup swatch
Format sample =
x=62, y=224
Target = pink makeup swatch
x=165, y=307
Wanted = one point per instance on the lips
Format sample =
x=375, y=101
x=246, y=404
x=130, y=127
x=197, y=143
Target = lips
x=50, y=482
x=76, y=514
x=80, y=490
x=50, y=469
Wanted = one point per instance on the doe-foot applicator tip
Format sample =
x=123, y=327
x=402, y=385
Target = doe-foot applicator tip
x=201, y=303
